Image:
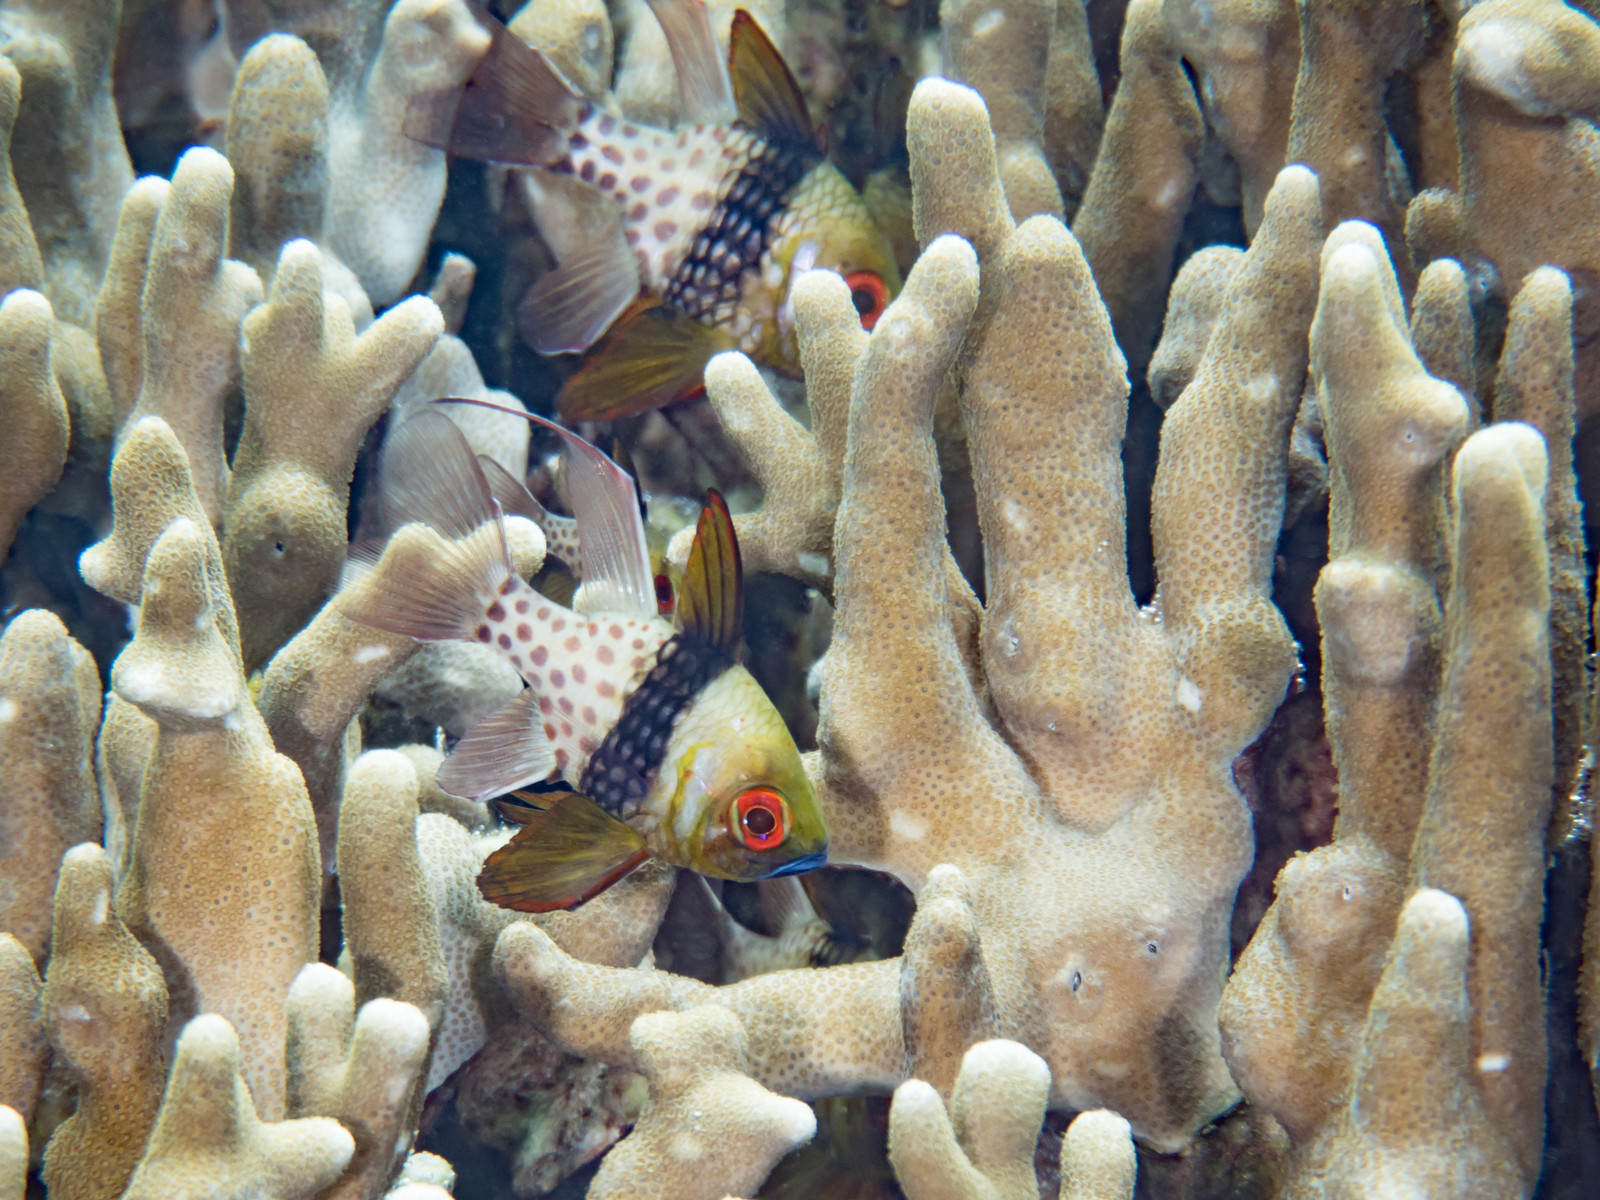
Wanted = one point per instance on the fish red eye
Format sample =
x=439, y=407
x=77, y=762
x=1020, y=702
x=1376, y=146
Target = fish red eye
x=760, y=818
x=665, y=600
x=869, y=295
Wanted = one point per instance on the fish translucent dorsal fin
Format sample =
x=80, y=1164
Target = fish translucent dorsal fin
x=711, y=596
x=764, y=88
x=615, y=561
x=515, y=108
x=515, y=500
x=653, y=355
x=562, y=856
x=705, y=93
x=429, y=474
x=505, y=750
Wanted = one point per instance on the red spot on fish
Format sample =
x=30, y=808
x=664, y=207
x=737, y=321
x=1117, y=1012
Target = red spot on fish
x=504, y=641
x=614, y=630
x=604, y=654
x=579, y=675
x=606, y=689
x=587, y=745
x=607, y=182
x=558, y=625
x=586, y=172
x=523, y=605
x=543, y=614
x=638, y=643
x=524, y=632
x=576, y=140
x=483, y=633
x=540, y=653
x=606, y=124
x=550, y=730
x=637, y=662
x=566, y=729
x=630, y=131
x=696, y=158
x=561, y=759
x=565, y=705
x=593, y=629
x=571, y=645
x=612, y=154
x=545, y=706
x=640, y=154
x=665, y=229
x=558, y=679
x=639, y=211
x=588, y=714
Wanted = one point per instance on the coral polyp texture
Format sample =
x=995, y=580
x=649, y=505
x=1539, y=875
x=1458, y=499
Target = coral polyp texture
x=1178, y=591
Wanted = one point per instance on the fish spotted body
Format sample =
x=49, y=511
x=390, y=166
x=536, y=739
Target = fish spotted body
x=666, y=746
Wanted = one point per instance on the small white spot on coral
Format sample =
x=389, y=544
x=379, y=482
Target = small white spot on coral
x=686, y=1148
x=989, y=22
x=906, y=826
x=8, y=709
x=73, y=1012
x=101, y=909
x=369, y=654
x=1188, y=694
x=811, y=562
x=1262, y=387
x=1492, y=1064
x=1171, y=194
x=1014, y=516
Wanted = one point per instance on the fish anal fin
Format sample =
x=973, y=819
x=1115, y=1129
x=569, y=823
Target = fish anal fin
x=764, y=89
x=653, y=355
x=571, y=307
x=710, y=598
x=561, y=857
x=705, y=93
x=515, y=108
x=505, y=750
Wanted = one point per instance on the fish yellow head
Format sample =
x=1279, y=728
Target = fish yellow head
x=738, y=804
x=828, y=226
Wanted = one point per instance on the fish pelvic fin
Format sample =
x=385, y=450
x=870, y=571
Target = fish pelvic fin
x=652, y=356
x=515, y=108
x=438, y=581
x=504, y=751
x=710, y=599
x=561, y=857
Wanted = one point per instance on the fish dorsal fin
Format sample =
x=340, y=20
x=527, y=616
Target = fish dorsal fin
x=764, y=89
x=653, y=355
x=614, y=559
x=569, y=308
x=620, y=456
x=510, y=493
x=429, y=474
x=569, y=853
x=515, y=108
x=705, y=93
x=711, y=596
x=505, y=750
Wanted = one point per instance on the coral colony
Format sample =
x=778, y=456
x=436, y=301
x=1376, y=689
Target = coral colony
x=1162, y=605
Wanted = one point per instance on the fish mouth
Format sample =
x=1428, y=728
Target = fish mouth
x=809, y=863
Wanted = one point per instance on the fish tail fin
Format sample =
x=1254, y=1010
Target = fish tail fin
x=437, y=583
x=515, y=108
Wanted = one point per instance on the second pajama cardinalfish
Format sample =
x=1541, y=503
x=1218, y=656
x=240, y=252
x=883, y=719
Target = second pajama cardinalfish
x=665, y=746
x=716, y=219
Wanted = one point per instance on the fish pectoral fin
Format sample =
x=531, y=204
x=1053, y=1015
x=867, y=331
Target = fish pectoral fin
x=711, y=594
x=515, y=108
x=653, y=355
x=705, y=93
x=768, y=98
x=569, y=308
x=561, y=857
x=504, y=751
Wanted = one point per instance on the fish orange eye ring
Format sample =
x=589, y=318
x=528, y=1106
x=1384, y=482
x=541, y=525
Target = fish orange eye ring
x=869, y=295
x=760, y=819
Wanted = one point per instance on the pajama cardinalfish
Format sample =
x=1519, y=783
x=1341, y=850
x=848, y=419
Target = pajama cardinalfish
x=667, y=746
x=717, y=218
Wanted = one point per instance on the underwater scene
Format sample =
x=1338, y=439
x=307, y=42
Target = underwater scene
x=799, y=599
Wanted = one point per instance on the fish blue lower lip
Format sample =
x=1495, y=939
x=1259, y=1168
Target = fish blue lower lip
x=809, y=863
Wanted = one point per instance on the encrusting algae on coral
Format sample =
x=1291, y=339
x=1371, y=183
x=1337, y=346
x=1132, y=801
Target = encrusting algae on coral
x=309, y=683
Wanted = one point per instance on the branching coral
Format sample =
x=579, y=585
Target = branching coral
x=1072, y=957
